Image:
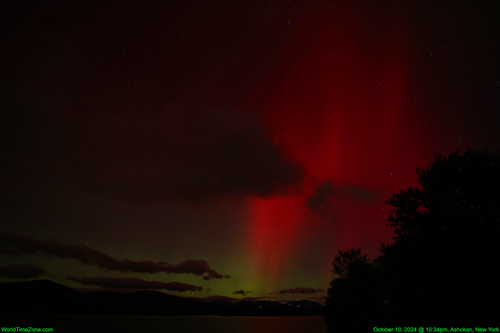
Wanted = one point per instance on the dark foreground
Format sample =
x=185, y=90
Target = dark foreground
x=46, y=297
x=171, y=324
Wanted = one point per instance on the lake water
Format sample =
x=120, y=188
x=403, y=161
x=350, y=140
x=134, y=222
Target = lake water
x=184, y=324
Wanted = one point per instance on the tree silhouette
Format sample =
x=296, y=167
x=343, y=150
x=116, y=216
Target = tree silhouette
x=454, y=193
x=353, y=300
x=343, y=263
x=442, y=268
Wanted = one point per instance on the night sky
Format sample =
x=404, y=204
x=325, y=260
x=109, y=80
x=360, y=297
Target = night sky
x=227, y=148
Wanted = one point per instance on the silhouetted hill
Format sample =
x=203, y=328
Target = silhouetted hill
x=222, y=302
x=48, y=297
x=306, y=304
x=41, y=296
x=272, y=308
x=144, y=302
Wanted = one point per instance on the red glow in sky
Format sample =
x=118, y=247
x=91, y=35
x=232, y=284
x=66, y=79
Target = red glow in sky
x=343, y=113
x=254, y=140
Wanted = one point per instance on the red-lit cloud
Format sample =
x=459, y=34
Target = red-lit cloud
x=329, y=199
x=225, y=154
x=14, y=243
x=21, y=271
x=134, y=283
x=300, y=290
x=155, y=142
x=202, y=155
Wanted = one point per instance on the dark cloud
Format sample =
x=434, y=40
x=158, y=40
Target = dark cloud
x=9, y=251
x=300, y=291
x=138, y=129
x=21, y=271
x=157, y=156
x=330, y=200
x=195, y=157
x=211, y=274
x=86, y=255
x=134, y=283
x=241, y=292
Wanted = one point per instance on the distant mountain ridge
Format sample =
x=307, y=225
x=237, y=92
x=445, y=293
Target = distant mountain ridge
x=49, y=297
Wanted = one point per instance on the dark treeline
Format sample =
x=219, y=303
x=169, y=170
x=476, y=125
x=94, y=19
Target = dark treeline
x=442, y=268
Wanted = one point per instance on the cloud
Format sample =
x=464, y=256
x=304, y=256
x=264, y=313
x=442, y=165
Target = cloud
x=9, y=251
x=300, y=291
x=17, y=243
x=166, y=155
x=134, y=283
x=241, y=292
x=21, y=271
x=330, y=200
x=211, y=274
x=125, y=135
